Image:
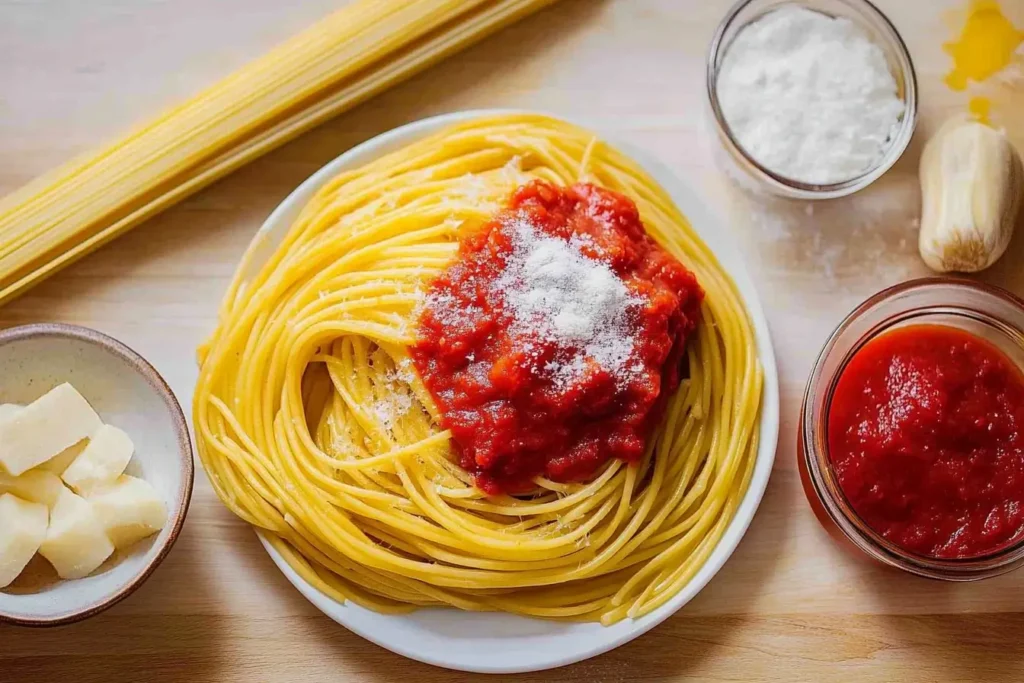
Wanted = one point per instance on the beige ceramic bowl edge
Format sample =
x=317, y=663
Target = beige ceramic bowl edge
x=129, y=393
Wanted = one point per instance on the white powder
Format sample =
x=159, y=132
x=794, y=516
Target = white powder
x=390, y=407
x=553, y=291
x=809, y=96
x=395, y=400
x=558, y=294
x=402, y=374
x=1013, y=74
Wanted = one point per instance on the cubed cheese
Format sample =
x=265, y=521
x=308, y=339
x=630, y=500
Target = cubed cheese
x=41, y=430
x=102, y=461
x=75, y=542
x=22, y=530
x=58, y=463
x=129, y=510
x=38, y=486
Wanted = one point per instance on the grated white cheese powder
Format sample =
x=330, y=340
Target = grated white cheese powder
x=396, y=400
x=557, y=293
x=390, y=407
x=809, y=96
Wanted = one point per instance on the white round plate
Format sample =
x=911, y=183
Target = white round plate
x=507, y=643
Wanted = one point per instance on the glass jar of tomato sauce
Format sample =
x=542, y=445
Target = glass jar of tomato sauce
x=990, y=316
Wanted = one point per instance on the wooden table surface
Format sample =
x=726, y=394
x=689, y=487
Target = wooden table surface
x=789, y=605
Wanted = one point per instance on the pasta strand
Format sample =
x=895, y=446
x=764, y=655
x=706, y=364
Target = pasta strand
x=313, y=425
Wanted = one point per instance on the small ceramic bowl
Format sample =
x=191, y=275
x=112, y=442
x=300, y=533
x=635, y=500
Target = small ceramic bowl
x=128, y=393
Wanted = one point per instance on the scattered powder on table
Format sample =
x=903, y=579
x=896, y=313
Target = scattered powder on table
x=809, y=96
x=872, y=234
x=1013, y=75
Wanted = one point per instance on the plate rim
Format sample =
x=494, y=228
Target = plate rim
x=698, y=213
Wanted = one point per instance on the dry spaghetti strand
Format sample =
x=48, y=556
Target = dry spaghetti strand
x=341, y=61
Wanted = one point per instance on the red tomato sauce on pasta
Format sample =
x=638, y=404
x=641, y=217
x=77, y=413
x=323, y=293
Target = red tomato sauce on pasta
x=926, y=437
x=527, y=391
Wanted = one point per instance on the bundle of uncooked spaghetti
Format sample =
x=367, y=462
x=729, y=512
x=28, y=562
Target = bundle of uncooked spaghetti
x=338, y=63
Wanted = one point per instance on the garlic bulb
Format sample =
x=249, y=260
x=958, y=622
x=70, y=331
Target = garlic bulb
x=971, y=186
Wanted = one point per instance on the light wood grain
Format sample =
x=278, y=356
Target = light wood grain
x=789, y=605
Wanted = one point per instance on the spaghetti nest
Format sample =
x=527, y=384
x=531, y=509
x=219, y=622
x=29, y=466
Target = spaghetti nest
x=314, y=426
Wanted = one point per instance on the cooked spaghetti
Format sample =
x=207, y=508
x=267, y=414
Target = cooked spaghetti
x=314, y=425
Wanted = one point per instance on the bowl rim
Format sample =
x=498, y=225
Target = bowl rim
x=185, y=451
x=791, y=187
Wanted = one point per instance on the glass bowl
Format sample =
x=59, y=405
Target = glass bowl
x=983, y=310
x=884, y=34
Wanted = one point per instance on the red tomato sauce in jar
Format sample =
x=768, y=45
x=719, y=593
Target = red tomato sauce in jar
x=551, y=342
x=926, y=438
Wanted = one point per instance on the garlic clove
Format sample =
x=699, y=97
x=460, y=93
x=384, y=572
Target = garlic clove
x=972, y=181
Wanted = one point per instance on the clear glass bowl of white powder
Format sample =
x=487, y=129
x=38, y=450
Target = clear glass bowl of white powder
x=813, y=99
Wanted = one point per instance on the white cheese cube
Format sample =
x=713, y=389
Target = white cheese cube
x=58, y=463
x=41, y=430
x=37, y=486
x=22, y=530
x=75, y=543
x=129, y=510
x=102, y=461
